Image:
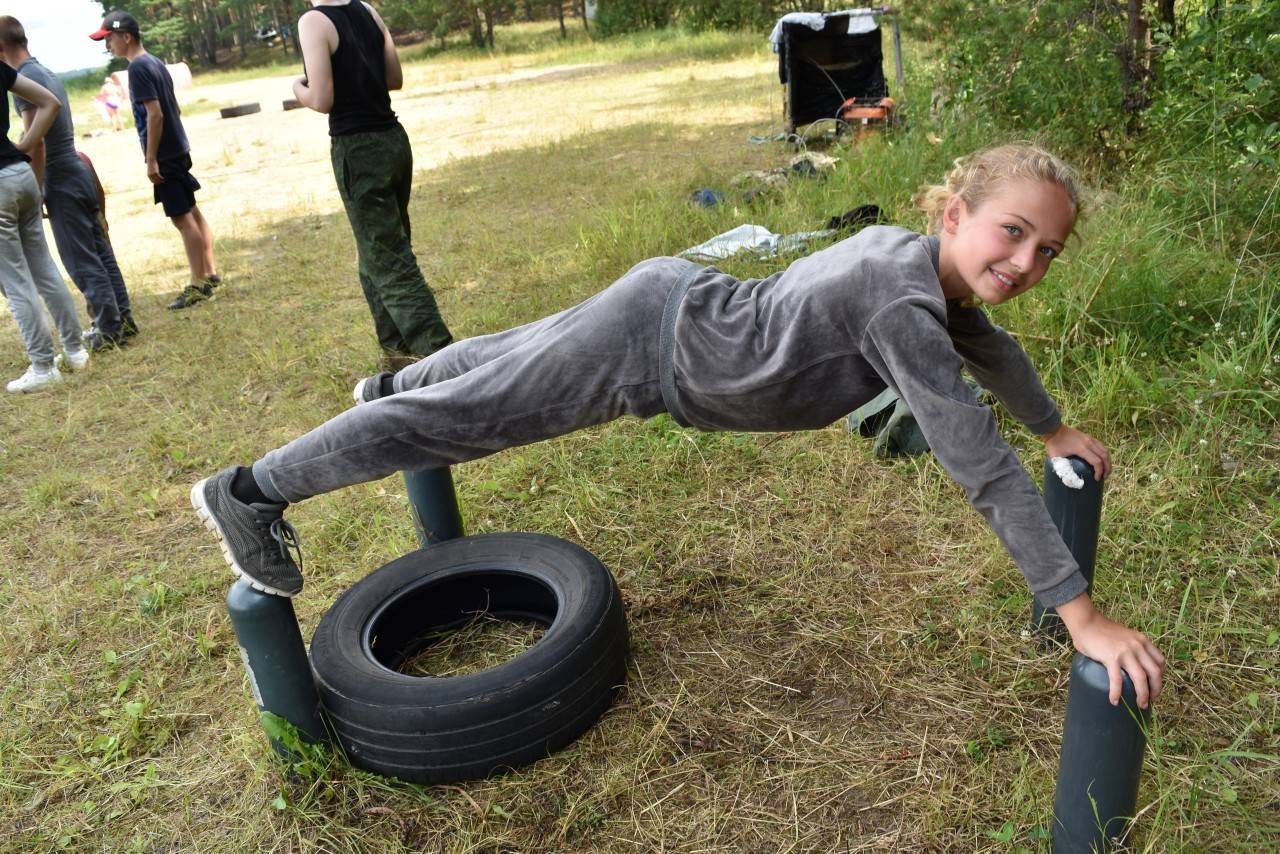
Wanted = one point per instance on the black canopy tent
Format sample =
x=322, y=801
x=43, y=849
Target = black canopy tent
x=823, y=68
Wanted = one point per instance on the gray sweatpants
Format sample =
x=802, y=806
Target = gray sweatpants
x=586, y=365
x=27, y=271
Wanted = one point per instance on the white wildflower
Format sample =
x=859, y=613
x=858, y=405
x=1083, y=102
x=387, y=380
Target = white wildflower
x=1204, y=441
x=1182, y=303
x=1231, y=573
x=1239, y=369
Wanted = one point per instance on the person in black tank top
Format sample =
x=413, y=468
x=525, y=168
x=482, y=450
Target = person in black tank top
x=350, y=66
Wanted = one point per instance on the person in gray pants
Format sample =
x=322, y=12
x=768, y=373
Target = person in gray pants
x=797, y=350
x=71, y=199
x=27, y=273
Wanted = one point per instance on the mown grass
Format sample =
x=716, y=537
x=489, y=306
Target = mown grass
x=827, y=650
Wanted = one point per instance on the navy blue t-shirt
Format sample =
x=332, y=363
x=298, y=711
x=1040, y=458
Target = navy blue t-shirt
x=149, y=80
x=8, y=154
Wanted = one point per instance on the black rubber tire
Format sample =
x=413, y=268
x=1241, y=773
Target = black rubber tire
x=291, y=104
x=240, y=110
x=440, y=730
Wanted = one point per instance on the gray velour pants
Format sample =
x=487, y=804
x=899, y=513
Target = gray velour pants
x=27, y=271
x=72, y=202
x=586, y=365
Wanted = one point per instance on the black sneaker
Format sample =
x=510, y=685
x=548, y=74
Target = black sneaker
x=212, y=281
x=96, y=341
x=372, y=388
x=128, y=326
x=191, y=295
x=256, y=540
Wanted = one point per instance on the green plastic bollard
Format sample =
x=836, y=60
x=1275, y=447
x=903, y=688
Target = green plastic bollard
x=434, y=504
x=275, y=659
x=1077, y=513
x=1100, y=762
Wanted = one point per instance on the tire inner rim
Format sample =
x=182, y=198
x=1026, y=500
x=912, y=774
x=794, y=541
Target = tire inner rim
x=416, y=617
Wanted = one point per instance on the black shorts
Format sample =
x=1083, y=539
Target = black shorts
x=178, y=190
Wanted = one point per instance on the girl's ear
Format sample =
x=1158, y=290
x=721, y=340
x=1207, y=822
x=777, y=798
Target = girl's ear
x=951, y=214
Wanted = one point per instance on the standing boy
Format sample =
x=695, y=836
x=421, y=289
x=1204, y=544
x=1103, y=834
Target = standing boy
x=351, y=64
x=71, y=198
x=168, y=156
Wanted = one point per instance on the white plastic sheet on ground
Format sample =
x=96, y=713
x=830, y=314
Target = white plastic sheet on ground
x=756, y=239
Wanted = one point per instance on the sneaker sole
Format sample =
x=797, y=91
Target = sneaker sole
x=202, y=510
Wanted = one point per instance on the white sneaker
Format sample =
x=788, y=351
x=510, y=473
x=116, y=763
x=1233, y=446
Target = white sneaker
x=76, y=359
x=34, y=379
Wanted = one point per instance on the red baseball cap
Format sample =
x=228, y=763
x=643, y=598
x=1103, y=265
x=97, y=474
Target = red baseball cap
x=116, y=22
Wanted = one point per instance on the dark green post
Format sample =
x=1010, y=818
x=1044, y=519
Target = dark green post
x=1100, y=762
x=1077, y=513
x=276, y=661
x=434, y=505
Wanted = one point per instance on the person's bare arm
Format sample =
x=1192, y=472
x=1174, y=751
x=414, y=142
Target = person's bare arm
x=395, y=74
x=46, y=110
x=319, y=40
x=155, y=129
x=37, y=153
x=1068, y=441
x=1116, y=647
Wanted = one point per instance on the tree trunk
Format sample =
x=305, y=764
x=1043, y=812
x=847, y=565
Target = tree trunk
x=291, y=14
x=243, y=32
x=1134, y=64
x=211, y=33
x=564, y=34
x=1165, y=14
x=477, y=28
x=582, y=7
x=488, y=24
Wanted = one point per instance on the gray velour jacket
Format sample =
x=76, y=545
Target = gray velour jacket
x=801, y=348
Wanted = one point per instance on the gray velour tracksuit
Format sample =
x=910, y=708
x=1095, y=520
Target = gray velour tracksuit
x=794, y=351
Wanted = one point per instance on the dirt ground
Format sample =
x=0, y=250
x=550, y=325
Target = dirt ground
x=263, y=167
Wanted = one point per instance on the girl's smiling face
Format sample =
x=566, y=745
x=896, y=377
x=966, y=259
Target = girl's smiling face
x=1004, y=246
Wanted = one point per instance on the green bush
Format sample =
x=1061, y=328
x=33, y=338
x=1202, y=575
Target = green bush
x=1216, y=113
x=626, y=16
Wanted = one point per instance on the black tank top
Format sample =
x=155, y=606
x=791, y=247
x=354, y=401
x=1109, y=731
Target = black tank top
x=361, y=103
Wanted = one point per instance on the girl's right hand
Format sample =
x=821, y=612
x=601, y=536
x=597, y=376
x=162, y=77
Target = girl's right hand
x=1116, y=647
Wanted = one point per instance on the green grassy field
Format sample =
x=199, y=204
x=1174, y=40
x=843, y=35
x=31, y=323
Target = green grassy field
x=827, y=650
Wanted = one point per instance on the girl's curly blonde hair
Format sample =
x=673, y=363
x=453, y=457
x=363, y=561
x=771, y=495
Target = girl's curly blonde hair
x=976, y=177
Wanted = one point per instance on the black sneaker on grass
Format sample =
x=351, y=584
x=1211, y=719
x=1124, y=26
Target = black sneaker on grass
x=97, y=341
x=191, y=295
x=372, y=388
x=128, y=326
x=212, y=281
x=256, y=540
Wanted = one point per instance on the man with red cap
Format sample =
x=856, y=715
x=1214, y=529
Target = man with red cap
x=168, y=155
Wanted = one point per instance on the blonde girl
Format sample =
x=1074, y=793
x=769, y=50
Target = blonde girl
x=887, y=307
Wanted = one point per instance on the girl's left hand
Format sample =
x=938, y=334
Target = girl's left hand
x=1068, y=441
